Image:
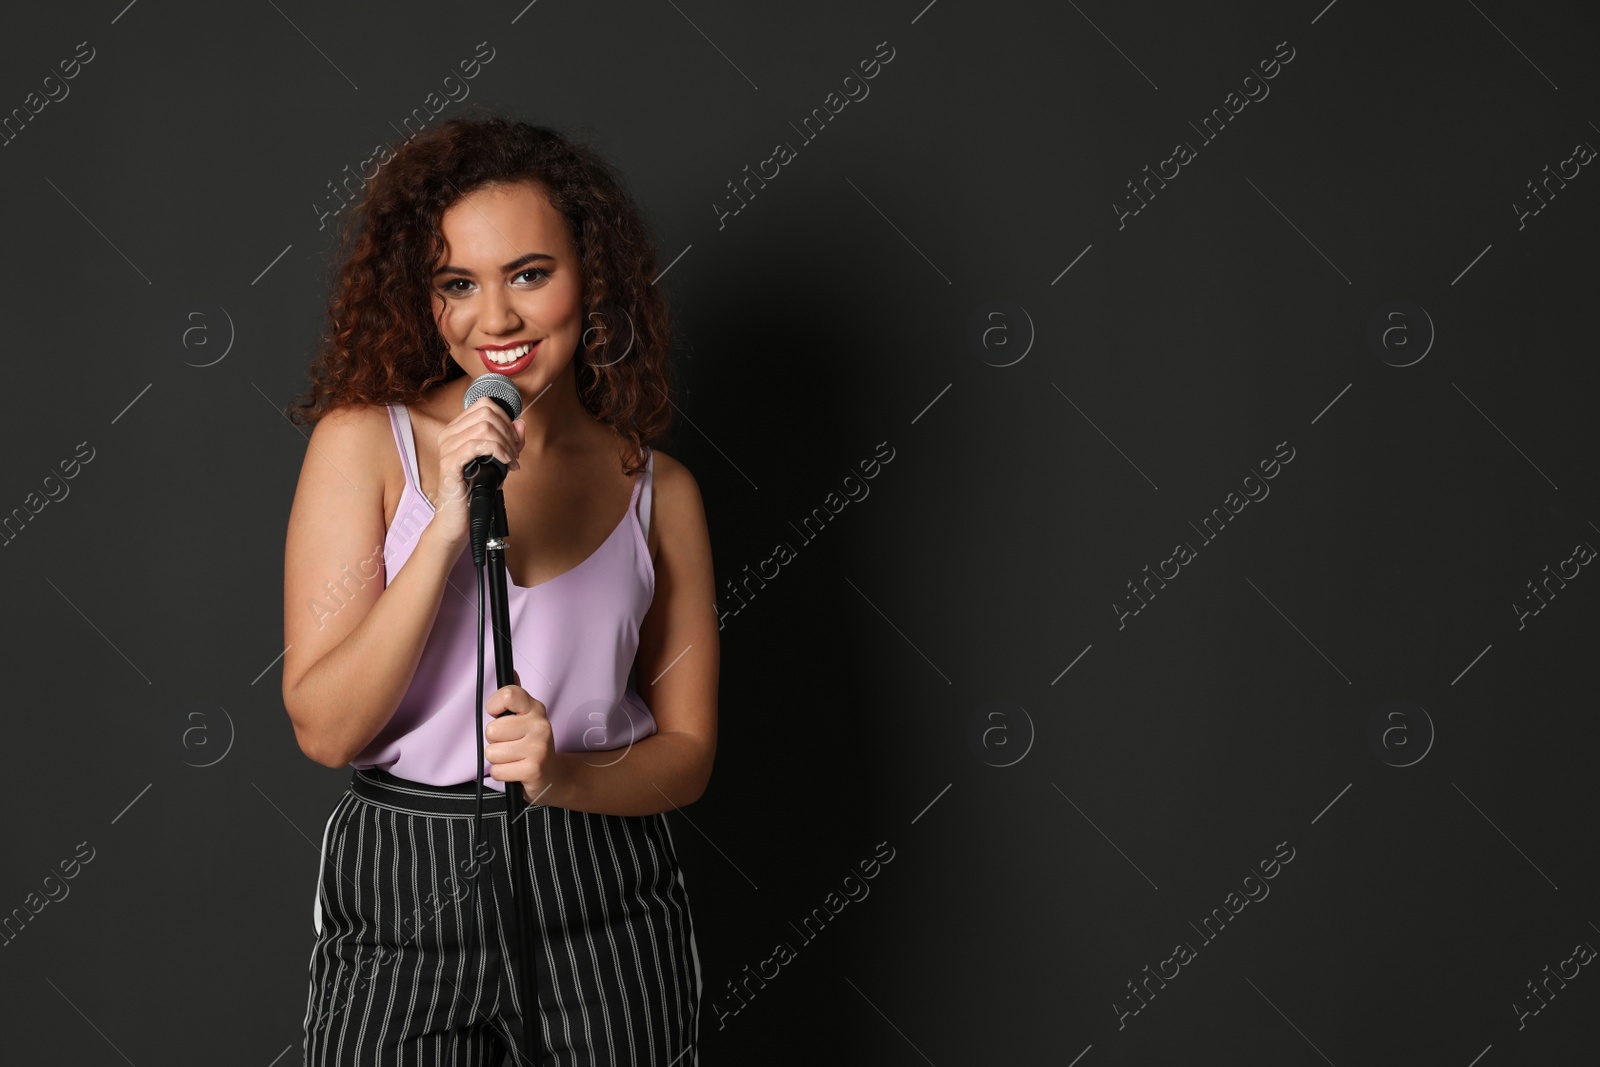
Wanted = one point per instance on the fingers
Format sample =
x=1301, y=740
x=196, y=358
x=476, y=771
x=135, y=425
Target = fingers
x=515, y=718
x=514, y=699
x=483, y=429
x=460, y=451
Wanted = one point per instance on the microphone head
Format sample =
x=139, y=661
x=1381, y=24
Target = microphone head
x=497, y=387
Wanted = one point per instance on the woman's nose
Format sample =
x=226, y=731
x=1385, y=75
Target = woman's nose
x=498, y=316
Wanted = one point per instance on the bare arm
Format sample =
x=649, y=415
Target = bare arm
x=353, y=645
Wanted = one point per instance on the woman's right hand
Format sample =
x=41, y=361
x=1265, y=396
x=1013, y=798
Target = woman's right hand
x=480, y=430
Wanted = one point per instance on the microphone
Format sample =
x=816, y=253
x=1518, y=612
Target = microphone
x=484, y=474
x=488, y=470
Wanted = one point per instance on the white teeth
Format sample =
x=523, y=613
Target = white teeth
x=510, y=355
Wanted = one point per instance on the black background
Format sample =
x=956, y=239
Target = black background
x=905, y=678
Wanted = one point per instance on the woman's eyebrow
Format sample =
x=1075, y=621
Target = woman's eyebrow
x=508, y=268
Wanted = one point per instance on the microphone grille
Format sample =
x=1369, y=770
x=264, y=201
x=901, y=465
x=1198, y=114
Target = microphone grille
x=497, y=387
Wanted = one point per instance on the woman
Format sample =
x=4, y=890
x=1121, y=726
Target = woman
x=489, y=245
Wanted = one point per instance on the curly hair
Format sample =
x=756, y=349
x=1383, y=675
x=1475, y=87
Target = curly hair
x=382, y=345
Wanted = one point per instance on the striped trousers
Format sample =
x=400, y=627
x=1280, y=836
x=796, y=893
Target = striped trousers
x=415, y=932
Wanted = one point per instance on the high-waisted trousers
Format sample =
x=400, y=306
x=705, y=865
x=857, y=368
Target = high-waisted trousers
x=415, y=932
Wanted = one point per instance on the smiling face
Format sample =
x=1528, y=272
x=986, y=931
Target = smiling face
x=509, y=278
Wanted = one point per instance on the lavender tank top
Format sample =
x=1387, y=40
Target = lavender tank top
x=573, y=641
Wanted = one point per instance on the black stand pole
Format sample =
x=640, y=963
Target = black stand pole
x=516, y=804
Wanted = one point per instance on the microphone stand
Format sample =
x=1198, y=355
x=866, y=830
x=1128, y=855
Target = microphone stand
x=523, y=914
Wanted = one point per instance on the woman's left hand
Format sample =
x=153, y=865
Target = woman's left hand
x=523, y=743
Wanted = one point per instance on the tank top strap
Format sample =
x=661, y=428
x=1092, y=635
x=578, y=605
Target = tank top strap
x=400, y=423
x=644, y=492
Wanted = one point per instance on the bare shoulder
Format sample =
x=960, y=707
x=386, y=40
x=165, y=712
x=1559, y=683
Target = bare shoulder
x=353, y=426
x=677, y=492
x=679, y=516
x=357, y=441
x=669, y=470
x=354, y=415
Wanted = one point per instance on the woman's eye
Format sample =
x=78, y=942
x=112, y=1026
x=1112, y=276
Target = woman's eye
x=449, y=286
x=539, y=273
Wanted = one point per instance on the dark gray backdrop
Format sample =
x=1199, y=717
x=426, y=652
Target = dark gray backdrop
x=1381, y=266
